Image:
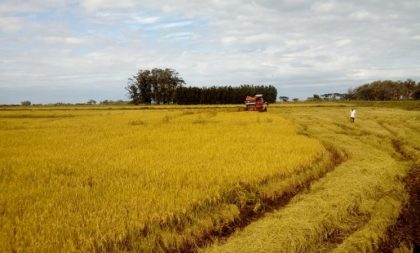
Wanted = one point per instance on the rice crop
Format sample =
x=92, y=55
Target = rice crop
x=140, y=180
x=355, y=207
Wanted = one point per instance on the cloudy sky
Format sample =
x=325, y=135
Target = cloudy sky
x=72, y=51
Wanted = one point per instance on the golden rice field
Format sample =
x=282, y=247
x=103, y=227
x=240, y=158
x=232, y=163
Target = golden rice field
x=76, y=179
x=300, y=178
x=363, y=205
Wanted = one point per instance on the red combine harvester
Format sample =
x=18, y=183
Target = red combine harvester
x=255, y=103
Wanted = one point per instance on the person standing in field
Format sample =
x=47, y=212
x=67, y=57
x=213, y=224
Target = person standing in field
x=352, y=115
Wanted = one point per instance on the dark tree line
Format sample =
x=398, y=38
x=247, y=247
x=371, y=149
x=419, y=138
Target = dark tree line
x=157, y=85
x=223, y=94
x=386, y=90
x=165, y=86
x=377, y=90
x=328, y=96
x=333, y=96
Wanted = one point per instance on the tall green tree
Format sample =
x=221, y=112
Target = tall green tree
x=165, y=82
x=316, y=97
x=139, y=87
x=385, y=90
x=156, y=85
x=416, y=92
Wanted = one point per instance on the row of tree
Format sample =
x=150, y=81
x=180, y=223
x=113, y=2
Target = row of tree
x=157, y=85
x=386, y=90
x=377, y=90
x=165, y=86
x=328, y=96
x=223, y=94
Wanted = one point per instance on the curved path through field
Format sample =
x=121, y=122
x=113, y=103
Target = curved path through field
x=353, y=207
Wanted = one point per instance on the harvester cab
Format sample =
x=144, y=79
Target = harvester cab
x=255, y=103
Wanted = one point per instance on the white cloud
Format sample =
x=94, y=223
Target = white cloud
x=343, y=42
x=64, y=40
x=95, y=5
x=229, y=40
x=29, y=6
x=143, y=20
x=260, y=38
x=361, y=15
x=173, y=24
x=180, y=36
x=291, y=42
x=10, y=24
x=385, y=73
x=324, y=7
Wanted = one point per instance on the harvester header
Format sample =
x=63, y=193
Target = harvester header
x=255, y=103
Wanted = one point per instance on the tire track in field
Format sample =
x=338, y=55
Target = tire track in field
x=299, y=182
x=247, y=213
x=335, y=237
x=406, y=231
x=331, y=237
x=358, y=219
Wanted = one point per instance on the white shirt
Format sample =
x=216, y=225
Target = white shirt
x=353, y=114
